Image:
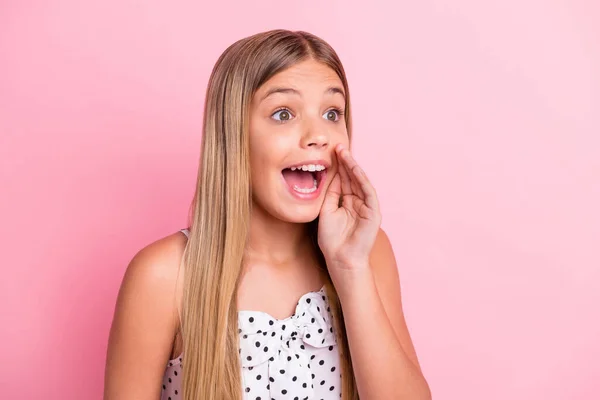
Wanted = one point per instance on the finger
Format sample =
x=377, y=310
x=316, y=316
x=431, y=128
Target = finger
x=361, y=178
x=354, y=184
x=332, y=196
x=344, y=174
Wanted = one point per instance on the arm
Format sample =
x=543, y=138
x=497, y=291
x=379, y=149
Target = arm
x=383, y=357
x=144, y=323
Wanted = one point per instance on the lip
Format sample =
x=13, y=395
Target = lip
x=307, y=196
x=324, y=163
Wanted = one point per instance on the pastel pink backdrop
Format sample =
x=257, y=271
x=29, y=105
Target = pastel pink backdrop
x=478, y=123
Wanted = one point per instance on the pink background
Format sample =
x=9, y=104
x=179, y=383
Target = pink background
x=478, y=122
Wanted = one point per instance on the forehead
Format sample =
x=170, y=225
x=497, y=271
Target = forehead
x=303, y=77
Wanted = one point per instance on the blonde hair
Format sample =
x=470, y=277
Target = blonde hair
x=220, y=214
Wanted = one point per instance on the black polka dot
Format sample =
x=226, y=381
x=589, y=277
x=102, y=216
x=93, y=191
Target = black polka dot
x=321, y=379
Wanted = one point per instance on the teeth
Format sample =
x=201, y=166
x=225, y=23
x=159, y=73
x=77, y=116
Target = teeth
x=302, y=190
x=309, y=167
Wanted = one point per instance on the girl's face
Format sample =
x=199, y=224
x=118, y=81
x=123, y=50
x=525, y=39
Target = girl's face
x=296, y=120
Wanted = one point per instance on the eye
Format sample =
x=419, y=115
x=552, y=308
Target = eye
x=339, y=112
x=285, y=115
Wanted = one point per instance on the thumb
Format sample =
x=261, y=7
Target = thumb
x=332, y=196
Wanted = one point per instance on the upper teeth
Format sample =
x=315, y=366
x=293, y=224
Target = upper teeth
x=309, y=167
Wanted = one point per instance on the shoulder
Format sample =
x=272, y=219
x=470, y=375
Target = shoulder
x=382, y=254
x=145, y=319
x=156, y=268
x=387, y=280
x=383, y=264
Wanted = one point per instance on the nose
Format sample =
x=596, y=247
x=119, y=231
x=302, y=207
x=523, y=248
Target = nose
x=316, y=138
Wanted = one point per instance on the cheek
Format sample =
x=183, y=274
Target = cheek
x=341, y=137
x=264, y=164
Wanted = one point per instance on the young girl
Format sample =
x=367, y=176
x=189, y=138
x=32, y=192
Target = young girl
x=284, y=286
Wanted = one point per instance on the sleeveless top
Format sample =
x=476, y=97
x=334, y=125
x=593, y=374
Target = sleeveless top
x=292, y=358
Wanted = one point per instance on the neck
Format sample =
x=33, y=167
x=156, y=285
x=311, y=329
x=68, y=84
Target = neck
x=276, y=242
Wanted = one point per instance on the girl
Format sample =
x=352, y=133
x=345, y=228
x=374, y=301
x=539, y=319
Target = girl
x=283, y=286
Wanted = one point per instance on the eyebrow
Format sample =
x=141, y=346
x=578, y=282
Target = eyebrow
x=329, y=90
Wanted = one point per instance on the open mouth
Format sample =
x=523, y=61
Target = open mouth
x=304, y=181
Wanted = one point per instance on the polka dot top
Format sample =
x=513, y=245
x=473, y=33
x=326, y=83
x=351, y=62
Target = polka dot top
x=293, y=358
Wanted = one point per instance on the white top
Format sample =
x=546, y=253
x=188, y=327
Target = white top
x=292, y=358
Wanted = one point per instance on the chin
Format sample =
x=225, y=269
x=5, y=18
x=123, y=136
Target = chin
x=301, y=216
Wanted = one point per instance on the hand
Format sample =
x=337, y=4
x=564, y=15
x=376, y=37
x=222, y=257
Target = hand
x=347, y=233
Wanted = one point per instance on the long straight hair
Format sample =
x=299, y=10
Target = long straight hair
x=220, y=214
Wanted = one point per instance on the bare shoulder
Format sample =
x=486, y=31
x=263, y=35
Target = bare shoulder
x=145, y=320
x=387, y=279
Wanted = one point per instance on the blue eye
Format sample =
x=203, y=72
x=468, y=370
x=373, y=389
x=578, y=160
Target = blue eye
x=287, y=112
